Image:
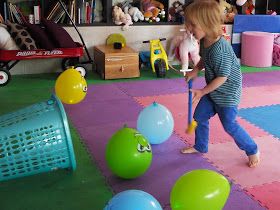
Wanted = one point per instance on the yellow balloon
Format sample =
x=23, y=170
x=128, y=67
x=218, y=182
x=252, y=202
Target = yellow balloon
x=71, y=86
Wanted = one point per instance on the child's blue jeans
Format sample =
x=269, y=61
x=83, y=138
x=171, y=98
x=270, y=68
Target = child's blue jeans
x=206, y=109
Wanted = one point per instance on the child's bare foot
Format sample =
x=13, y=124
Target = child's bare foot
x=189, y=150
x=254, y=160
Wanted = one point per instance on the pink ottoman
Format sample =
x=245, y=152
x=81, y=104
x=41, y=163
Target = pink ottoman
x=257, y=48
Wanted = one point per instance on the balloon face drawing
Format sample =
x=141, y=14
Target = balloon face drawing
x=128, y=153
x=142, y=144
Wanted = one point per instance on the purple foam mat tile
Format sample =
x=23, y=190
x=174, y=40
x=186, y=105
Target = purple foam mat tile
x=157, y=87
x=261, y=78
x=166, y=207
x=103, y=92
x=238, y=199
x=103, y=112
x=199, y=82
x=96, y=137
x=167, y=163
x=167, y=166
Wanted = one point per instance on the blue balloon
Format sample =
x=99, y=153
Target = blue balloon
x=156, y=123
x=133, y=199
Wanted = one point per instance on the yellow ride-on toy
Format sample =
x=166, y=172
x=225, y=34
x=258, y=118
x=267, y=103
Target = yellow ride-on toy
x=158, y=57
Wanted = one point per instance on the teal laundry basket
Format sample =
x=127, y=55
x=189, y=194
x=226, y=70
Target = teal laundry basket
x=35, y=139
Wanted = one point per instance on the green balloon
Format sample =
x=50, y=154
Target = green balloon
x=128, y=153
x=199, y=190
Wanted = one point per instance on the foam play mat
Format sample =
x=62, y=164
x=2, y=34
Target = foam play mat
x=108, y=107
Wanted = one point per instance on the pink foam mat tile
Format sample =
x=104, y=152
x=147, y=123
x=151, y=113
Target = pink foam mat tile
x=180, y=126
x=233, y=162
x=176, y=103
x=260, y=96
x=217, y=133
x=179, y=102
x=267, y=195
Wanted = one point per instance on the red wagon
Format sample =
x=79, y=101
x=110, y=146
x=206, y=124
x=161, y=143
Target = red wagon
x=9, y=58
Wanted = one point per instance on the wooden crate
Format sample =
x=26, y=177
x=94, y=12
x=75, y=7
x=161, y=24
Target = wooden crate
x=116, y=63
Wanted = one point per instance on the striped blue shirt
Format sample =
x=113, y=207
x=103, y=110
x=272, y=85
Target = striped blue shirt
x=220, y=61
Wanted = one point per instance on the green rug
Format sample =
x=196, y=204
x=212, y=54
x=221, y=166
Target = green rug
x=249, y=69
x=40, y=81
x=85, y=188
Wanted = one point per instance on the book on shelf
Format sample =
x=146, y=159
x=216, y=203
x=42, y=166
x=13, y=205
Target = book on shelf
x=73, y=11
x=57, y=13
x=86, y=11
x=18, y=11
x=14, y=14
x=37, y=14
x=5, y=11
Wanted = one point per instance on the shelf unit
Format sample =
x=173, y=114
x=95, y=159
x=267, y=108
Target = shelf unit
x=46, y=7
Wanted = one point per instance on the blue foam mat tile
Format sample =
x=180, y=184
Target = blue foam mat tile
x=265, y=117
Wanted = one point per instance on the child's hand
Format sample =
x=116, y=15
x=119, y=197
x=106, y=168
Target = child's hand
x=190, y=75
x=197, y=94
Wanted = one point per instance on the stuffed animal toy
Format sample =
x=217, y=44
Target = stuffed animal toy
x=151, y=9
x=228, y=11
x=240, y=2
x=249, y=7
x=133, y=11
x=135, y=14
x=176, y=12
x=119, y=18
x=6, y=41
x=243, y=6
x=271, y=12
x=182, y=47
x=237, y=4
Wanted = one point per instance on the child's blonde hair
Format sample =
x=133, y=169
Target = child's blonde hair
x=207, y=14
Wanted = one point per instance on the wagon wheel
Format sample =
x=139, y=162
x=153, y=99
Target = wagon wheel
x=2, y=64
x=81, y=69
x=160, y=68
x=67, y=62
x=5, y=77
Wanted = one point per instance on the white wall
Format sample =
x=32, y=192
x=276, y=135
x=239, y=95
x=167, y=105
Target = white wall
x=93, y=35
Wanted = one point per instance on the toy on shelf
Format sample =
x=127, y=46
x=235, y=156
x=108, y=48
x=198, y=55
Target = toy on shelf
x=119, y=18
x=247, y=6
x=271, y=12
x=176, y=12
x=184, y=47
x=153, y=10
x=239, y=7
x=133, y=11
x=228, y=11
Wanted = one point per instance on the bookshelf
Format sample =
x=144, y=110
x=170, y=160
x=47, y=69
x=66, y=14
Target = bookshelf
x=83, y=12
x=19, y=10
x=95, y=12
